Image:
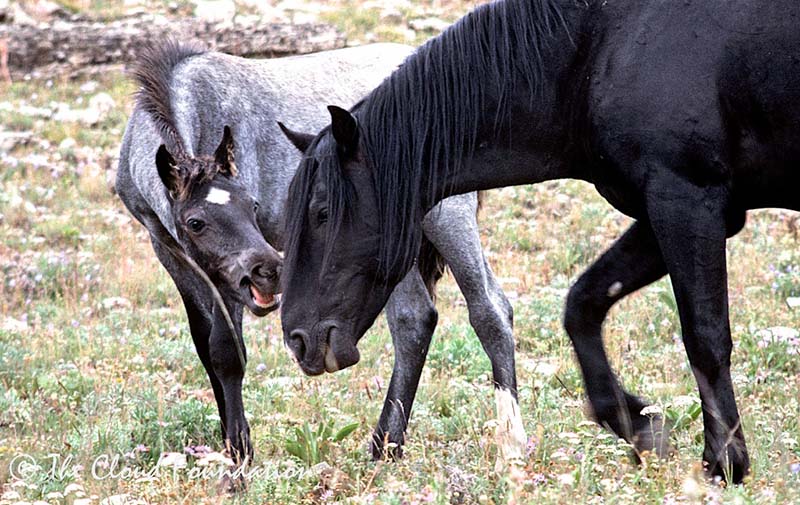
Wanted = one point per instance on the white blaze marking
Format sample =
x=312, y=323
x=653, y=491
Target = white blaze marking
x=511, y=437
x=218, y=196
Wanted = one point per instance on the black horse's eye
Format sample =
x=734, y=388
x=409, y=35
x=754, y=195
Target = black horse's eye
x=196, y=225
x=322, y=216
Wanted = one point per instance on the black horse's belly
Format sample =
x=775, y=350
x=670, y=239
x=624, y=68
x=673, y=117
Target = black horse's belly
x=623, y=196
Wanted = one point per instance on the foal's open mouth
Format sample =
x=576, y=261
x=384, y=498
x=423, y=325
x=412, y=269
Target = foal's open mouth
x=261, y=304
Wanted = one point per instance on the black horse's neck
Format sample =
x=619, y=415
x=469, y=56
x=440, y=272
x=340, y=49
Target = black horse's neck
x=478, y=107
x=475, y=108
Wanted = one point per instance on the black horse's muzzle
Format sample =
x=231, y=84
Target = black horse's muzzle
x=326, y=349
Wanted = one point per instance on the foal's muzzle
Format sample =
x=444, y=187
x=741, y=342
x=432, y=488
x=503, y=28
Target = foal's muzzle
x=258, y=273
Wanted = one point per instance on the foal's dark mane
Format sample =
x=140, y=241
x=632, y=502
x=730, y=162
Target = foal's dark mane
x=153, y=73
x=422, y=122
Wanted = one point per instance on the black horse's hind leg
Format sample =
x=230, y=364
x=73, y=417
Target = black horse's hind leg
x=198, y=304
x=412, y=319
x=228, y=359
x=631, y=263
x=691, y=225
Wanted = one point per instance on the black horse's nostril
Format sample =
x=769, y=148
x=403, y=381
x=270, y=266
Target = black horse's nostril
x=297, y=343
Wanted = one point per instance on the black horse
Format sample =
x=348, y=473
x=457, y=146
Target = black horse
x=683, y=114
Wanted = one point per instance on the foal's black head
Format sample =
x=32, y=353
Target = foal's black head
x=215, y=220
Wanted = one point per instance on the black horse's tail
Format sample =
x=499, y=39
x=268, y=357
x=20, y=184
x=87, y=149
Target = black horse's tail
x=431, y=263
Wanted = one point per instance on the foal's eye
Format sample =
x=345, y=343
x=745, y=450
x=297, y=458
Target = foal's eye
x=196, y=225
x=256, y=205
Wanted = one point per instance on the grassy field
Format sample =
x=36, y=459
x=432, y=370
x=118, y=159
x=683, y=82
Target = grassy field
x=99, y=378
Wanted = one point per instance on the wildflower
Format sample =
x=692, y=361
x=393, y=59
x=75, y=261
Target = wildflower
x=651, y=410
x=172, y=459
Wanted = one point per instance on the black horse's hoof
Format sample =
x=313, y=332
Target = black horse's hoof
x=651, y=436
x=731, y=469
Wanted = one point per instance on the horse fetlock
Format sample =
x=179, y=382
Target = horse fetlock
x=238, y=444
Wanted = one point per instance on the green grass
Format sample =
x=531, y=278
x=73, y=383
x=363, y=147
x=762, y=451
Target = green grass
x=86, y=380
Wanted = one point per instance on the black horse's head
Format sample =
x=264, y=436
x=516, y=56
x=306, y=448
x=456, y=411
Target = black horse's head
x=334, y=282
x=215, y=220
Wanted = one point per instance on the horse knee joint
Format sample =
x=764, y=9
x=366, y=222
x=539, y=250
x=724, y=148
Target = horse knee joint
x=417, y=321
x=580, y=310
x=226, y=361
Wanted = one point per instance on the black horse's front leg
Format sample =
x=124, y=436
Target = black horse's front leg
x=632, y=262
x=228, y=359
x=691, y=224
x=412, y=319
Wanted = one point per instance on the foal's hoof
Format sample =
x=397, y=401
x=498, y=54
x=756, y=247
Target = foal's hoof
x=231, y=485
x=652, y=436
x=383, y=449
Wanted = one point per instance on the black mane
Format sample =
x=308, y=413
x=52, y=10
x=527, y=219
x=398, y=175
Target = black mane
x=153, y=73
x=422, y=122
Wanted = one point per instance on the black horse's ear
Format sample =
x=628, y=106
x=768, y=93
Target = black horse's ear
x=168, y=170
x=298, y=139
x=344, y=128
x=224, y=153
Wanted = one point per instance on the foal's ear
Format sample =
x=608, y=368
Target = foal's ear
x=344, y=128
x=168, y=170
x=224, y=153
x=298, y=139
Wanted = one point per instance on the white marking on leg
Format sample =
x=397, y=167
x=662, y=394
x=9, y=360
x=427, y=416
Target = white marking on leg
x=614, y=289
x=218, y=196
x=511, y=437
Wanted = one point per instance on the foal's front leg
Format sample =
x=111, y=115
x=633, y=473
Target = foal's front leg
x=691, y=226
x=228, y=359
x=412, y=319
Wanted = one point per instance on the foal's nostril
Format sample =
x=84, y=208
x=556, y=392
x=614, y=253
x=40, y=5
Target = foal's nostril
x=297, y=343
x=266, y=272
